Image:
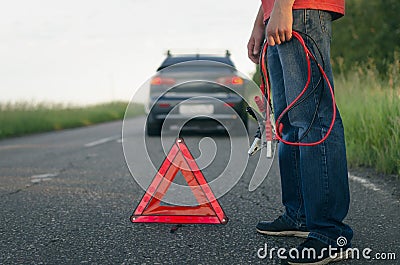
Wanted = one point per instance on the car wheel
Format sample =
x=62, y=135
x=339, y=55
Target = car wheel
x=153, y=128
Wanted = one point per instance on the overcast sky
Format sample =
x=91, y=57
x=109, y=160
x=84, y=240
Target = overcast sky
x=88, y=51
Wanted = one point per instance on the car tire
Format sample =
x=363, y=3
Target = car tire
x=153, y=128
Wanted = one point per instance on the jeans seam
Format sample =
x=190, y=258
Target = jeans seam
x=325, y=179
x=299, y=194
x=322, y=146
x=324, y=160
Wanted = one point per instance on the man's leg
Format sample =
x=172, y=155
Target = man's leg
x=323, y=167
x=293, y=222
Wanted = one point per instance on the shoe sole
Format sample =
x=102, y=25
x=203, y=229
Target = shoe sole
x=285, y=233
x=341, y=256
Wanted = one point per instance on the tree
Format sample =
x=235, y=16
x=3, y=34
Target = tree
x=370, y=30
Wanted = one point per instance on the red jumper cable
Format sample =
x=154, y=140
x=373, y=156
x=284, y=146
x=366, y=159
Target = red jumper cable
x=266, y=89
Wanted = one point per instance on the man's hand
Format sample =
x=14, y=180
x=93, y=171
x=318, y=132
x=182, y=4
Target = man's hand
x=256, y=38
x=255, y=43
x=279, y=28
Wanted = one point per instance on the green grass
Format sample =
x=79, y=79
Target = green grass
x=370, y=108
x=26, y=118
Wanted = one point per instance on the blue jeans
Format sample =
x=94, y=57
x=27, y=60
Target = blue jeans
x=314, y=179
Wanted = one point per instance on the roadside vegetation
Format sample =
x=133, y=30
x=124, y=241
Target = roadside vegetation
x=366, y=60
x=370, y=108
x=23, y=118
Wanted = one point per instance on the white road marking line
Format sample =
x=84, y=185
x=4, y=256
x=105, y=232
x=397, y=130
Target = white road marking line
x=366, y=183
x=103, y=141
x=43, y=177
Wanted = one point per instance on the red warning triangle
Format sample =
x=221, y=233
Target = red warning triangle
x=208, y=210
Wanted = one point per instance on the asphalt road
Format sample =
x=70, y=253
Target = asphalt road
x=66, y=198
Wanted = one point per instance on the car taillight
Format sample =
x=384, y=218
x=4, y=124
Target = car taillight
x=158, y=81
x=230, y=80
x=229, y=104
x=237, y=80
x=164, y=105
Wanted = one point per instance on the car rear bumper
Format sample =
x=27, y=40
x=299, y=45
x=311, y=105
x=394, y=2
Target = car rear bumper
x=178, y=117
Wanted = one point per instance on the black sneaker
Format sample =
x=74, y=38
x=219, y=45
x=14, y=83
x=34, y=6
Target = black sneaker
x=280, y=228
x=313, y=251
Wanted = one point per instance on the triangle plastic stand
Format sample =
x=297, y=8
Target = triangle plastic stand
x=150, y=210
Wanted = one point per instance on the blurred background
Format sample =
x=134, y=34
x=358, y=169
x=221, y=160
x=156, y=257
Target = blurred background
x=95, y=51
x=98, y=51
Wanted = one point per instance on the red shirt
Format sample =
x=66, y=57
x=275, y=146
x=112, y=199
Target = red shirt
x=335, y=6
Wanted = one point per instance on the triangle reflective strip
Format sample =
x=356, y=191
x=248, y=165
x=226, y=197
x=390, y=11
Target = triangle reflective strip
x=208, y=209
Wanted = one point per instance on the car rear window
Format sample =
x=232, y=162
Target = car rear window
x=192, y=67
x=175, y=60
